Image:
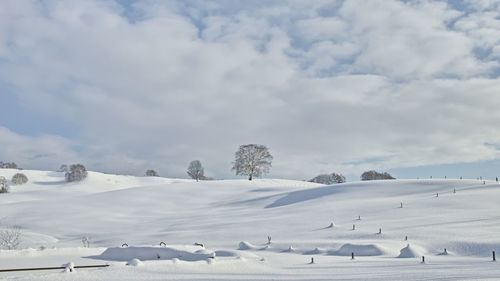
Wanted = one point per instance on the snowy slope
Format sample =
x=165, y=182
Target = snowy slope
x=113, y=210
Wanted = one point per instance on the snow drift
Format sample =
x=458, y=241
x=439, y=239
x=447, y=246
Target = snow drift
x=359, y=250
x=409, y=252
x=154, y=253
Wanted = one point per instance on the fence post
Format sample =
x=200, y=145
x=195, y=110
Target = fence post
x=494, y=256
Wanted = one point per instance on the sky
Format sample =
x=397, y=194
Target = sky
x=410, y=87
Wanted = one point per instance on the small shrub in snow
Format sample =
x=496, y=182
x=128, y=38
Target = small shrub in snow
x=19, y=179
x=328, y=178
x=374, y=175
x=134, y=262
x=10, y=238
x=4, y=185
x=195, y=170
x=69, y=267
x=77, y=172
x=151, y=173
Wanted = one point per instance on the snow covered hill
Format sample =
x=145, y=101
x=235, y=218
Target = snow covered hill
x=389, y=225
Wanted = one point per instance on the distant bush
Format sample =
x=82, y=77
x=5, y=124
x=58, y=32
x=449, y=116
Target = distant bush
x=328, y=178
x=7, y=165
x=4, y=185
x=19, y=179
x=77, y=172
x=63, y=168
x=374, y=175
x=151, y=173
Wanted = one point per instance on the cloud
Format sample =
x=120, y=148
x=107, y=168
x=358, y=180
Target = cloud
x=326, y=85
x=42, y=152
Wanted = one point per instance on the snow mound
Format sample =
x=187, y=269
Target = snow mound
x=204, y=252
x=134, y=262
x=154, y=253
x=236, y=254
x=444, y=253
x=244, y=245
x=359, y=250
x=473, y=248
x=409, y=252
x=289, y=250
x=315, y=251
x=267, y=247
x=69, y=267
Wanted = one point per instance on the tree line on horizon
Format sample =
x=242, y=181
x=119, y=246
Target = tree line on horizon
x=252, y=160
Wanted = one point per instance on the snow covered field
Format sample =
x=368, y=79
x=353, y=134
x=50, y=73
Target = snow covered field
x=233, y=219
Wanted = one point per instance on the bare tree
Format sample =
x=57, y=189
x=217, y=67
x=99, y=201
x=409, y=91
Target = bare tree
x=4, y=185
x=195, y=170
x=151, y=173
x=374, y=175
x=252, y=160
x=10, y=237
x=86, y=241
x=19, y=179
x=77, y=172
x=328, y=178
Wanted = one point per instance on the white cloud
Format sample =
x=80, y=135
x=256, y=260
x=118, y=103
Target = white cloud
x=326, y=85
x=43, y=152
x=321, y=28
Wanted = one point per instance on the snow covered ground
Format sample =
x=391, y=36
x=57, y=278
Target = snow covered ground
x=233, y=219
